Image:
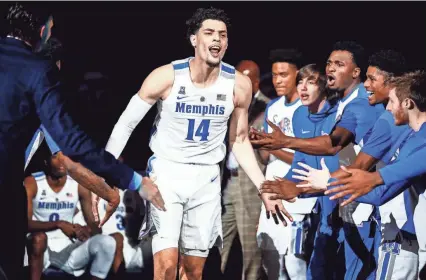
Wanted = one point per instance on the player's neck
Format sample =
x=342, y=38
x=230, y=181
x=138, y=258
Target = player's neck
x=55, y=181
x=203, y=75
x=349, y=89
x=416, y=119
x=317, y=105
x=291, y=97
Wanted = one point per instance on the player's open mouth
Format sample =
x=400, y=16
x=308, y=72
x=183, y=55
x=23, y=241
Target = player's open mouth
x=371, y=96
x=330, y=80
x=214, y=50
x=304, y=96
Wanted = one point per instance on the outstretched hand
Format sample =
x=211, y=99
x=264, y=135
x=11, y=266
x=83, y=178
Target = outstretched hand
x=275, y=208
x=149, y=191
x=316, y=178
x=268, y=141
x=110, y=209
x=359, y=183
x=281, y=189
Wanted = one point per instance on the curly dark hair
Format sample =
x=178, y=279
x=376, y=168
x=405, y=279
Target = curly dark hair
x=202, y=14
x=357, y=51
x=25, y=22
x=389, y=61
x=292, y=56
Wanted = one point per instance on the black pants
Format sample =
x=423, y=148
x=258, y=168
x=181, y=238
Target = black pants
x=14, y=223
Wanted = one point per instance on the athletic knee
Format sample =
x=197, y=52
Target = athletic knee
x=193, y=270
x=39, y=243
x=193, y=264
x=165, y=263
x=102, y=244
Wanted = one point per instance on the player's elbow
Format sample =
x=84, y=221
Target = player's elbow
x=332, y=151
x=239, y=140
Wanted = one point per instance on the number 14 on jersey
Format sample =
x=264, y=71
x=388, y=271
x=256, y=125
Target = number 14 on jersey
x=202, y=130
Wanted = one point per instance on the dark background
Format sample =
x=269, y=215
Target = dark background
x=127, y=40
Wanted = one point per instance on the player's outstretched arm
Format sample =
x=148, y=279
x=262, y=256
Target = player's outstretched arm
x=320, y=145
x=89, y=180
x=241, y=147
x=82, y=175
x=156, y=86
x=48, y=97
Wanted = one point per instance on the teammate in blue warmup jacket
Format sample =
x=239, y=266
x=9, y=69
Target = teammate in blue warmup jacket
x=407, y=106
x=354, y=119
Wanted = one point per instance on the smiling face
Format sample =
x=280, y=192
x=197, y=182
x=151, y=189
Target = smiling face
x=210, y=41
x=375, y=84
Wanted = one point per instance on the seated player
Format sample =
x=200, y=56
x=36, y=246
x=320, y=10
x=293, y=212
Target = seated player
x=124, y=226
x=53, y=239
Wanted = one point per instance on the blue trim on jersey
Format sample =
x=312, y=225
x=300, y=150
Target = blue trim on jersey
x=290, y=103
x=385, y=266
x=180, y=66
x=228, y=69
x=38, y=174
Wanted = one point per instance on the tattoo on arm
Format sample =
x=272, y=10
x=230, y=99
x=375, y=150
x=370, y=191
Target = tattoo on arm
x=87, y=178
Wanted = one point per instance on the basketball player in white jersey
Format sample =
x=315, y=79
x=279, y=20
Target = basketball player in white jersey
x=54, y=240
x=282, y=259
x=128, y=249
x=196, y=98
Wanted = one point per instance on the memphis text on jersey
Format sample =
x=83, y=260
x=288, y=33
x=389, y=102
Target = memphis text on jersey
x=55, y=205
x=182, y=107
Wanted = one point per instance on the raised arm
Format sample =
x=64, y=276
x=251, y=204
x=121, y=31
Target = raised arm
x=157, y=85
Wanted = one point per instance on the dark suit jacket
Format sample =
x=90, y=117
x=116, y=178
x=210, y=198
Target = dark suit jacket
x=31, y=94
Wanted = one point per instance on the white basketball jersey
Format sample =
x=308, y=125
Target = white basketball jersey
x=281, y=114
x=49, y=206
x=192, y=122
x=115, y=223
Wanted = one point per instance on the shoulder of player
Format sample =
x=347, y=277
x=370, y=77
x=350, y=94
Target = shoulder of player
x=242, y=84
x=164, y=74
x=300, y=112
x=272, y=102
x=30, y=180
x=157, y=82
x=387, y=116
x=30, y=185
x=360, y=105
x=160, y=78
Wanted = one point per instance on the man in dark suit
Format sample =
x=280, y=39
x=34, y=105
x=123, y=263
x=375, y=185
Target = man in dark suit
x=241, y=203
x=30, y=95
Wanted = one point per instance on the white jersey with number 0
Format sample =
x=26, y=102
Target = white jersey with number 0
x=49, y=206
x=192, y=122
